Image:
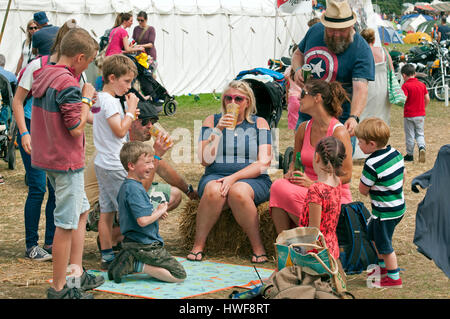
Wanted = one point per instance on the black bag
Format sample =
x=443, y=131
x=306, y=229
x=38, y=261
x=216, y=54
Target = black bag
x=356, y=250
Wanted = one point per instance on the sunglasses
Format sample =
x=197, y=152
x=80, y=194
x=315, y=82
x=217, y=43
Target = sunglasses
x=147, y=120
x=236, y=98
x=303, y=94
x=32, y=28
x=140, y=20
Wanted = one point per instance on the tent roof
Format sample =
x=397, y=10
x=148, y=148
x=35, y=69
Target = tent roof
x=443, y=6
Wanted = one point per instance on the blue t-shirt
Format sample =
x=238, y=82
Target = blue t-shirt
x=44, y=38
x=134, y=202
x=445, y=32
x=355, y=62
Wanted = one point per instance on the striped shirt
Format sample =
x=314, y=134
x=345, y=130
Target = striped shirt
x=383, y=173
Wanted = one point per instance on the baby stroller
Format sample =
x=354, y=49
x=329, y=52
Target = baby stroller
x=8, y=127
x=150, y=87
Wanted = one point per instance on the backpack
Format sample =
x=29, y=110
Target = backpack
x=357, y=251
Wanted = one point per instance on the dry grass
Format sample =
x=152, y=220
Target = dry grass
x=21, y=278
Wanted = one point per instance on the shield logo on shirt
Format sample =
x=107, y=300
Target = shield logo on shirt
x=324, y=63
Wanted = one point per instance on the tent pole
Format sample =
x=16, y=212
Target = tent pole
x=275, y=35
x=4, y=20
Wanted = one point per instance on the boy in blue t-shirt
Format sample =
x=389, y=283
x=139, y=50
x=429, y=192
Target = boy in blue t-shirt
x=143, y=247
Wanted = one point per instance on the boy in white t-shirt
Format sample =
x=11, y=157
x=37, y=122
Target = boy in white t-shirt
x=111, y=126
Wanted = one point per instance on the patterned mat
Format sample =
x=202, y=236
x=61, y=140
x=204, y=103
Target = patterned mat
x=202, y=278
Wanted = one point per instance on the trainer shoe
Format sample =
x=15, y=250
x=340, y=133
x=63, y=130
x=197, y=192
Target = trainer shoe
x=422, y=154
x=68, y=293
x=388, y=282
x=378, y=271
x=408, y=158
x=89, y=281
x=37, y=253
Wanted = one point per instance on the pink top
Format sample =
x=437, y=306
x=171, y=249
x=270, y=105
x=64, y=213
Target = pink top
x=116, y=41
x=294, y=89
x=307, y=155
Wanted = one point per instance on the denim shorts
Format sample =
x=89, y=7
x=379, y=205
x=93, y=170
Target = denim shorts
x=71, y=200
x=381, y=231
x=109, y=182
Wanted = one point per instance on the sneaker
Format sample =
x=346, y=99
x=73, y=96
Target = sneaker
x=408, y=158
x=388, y=282
x=68, y=293
x=422, y=154
x=48, y=249
x=37, y=253
x=89, y=281
x=378, y=271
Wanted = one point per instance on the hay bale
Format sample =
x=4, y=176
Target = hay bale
x=227, y=237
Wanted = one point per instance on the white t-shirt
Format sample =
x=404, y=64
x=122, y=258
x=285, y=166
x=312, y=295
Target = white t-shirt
x=108, y=145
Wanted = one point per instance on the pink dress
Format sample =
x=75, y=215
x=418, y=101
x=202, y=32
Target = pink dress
x=293, y=100
x=291, y=197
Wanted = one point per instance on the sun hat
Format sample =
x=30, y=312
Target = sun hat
x=338, y=15
x=40, y=17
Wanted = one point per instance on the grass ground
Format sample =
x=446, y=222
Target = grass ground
x=21, y=278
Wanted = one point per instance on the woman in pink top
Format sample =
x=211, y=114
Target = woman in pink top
x=118, y=37
x=323, y=101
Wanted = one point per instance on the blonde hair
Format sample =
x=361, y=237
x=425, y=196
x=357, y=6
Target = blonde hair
x=78, y=41
x=246, y=90
x=119, y=65
x=373, y=129
x=28, y=31
x=131, y=151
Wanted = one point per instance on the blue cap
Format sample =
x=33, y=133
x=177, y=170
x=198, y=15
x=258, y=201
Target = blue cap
x=40, y=17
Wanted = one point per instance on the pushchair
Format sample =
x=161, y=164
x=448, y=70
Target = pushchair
x=148, y=86
x=8, y=127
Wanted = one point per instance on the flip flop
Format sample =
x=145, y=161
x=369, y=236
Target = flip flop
x=196, y=255
x=257, y=257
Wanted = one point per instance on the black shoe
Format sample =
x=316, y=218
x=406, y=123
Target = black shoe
x=89, y=281
x=68, y=293
x=408, y=158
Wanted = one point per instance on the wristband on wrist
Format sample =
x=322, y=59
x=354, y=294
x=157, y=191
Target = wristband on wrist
x=87, y=101
x=130, y=115
x=24, y=133
x=157, y=157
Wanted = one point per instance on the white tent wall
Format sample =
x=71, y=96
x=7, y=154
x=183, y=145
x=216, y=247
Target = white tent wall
x=201, y=44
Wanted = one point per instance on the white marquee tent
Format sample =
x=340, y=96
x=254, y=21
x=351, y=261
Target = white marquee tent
x=201, y=44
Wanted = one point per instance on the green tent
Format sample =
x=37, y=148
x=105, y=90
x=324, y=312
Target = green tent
x=426, y=27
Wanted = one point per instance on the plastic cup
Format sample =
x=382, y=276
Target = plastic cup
x=233, y=108
x=156, y=129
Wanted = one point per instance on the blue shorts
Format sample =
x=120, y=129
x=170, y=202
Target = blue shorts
x=71, y=200
x=380, y=232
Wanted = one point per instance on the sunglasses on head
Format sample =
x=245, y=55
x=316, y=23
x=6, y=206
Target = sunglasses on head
x=236, y=98
x=32, y=28
x=147, y=120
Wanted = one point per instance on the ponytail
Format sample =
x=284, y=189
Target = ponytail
x=333, y=95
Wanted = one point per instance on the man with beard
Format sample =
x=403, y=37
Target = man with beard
x=336, y=52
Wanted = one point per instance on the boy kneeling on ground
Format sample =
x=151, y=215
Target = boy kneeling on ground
x=143, y=248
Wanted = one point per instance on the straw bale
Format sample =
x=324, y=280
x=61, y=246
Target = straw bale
x=227, y=237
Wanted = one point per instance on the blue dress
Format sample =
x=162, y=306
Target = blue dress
x=237, y=149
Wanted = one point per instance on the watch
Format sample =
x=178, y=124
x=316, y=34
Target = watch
x=355, y=117
x=189, y=190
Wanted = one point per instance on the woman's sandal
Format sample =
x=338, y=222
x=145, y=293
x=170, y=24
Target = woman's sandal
x=196, y=255
x=257, y=258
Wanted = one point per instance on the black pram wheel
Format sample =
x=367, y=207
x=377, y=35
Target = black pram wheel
x=170, y=107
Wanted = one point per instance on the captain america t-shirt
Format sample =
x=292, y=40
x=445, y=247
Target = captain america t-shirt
x=355, y=62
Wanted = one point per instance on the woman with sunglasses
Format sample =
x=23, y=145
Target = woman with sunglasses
x=235, y=175
x=118, y=37
x=27, y=54
x=145, y=35
x=323, y=102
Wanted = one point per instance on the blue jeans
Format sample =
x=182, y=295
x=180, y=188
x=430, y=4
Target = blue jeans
x=36, y=190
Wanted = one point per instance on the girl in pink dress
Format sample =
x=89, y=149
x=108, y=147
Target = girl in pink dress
x=323, y=199
x=323, y=101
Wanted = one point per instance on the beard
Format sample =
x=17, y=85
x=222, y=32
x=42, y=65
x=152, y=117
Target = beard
x=338, y=45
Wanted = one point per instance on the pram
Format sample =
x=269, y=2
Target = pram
x=8, y=127
x=148, y=86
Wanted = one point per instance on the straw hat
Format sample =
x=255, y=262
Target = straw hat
x=338, y=15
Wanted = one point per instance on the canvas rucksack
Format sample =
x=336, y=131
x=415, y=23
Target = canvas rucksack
x=356, y=250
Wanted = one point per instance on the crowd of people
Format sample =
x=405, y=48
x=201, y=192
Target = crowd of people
x=54, y=102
